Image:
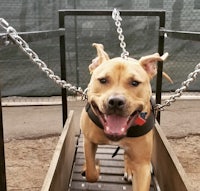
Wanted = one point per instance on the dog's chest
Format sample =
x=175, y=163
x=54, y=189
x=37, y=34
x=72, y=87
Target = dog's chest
x=118, y=144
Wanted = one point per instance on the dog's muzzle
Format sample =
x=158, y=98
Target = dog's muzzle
x=115, y=120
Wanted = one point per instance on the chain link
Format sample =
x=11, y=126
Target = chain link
x=4, y=24
x=178, y=93
x=22, y=44
x=117, y=18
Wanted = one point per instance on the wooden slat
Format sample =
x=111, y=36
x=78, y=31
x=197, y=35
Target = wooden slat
x=112, y=163
x=105, y=170
x=167, y=168
x=102, y=156
x=102, y=178
x=98, y=186
x=104, y=150
x=59, y=173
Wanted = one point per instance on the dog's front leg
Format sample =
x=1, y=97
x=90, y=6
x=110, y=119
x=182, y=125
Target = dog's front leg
x=142, y=177
x=137, y=158
x=91, y=167
x=138, y=173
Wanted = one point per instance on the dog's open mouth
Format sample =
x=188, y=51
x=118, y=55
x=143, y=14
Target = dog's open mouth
x=115, y=126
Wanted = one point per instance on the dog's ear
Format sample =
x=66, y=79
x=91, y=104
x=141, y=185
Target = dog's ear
x=101, y=57
x=149, y=63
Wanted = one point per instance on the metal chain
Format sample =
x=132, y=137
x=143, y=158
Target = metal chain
x=178, y=93
x=116, y=17
x=12, y=33
x=191, y=77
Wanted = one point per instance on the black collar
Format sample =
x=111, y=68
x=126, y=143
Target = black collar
x=133, y=131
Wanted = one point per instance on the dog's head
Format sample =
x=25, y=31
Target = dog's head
x=119, y=89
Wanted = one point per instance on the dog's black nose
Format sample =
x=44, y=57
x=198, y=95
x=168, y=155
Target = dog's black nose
x=116, y=102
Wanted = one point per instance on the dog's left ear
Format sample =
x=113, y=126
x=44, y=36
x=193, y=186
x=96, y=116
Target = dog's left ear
x=149, y=63
x=101, y=57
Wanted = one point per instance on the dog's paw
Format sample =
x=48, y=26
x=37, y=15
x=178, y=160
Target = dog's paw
x=128, y=169
x=128, y=177
x=91, y=176
x=83, y=173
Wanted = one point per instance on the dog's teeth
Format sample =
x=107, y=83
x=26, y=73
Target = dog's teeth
x=123, y=129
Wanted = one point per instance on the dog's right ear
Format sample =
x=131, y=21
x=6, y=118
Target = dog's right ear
x=149, y=63
x=101, y=57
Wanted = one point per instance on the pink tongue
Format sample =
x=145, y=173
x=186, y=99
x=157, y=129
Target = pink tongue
x=116, y=124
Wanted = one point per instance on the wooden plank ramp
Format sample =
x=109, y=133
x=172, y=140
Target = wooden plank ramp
x=64, y=173
x=112, y=171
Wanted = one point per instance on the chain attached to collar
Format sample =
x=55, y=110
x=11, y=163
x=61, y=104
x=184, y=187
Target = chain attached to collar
x=178, y=93
x=14, y=37
x=117, y=18
x=185, y=84
x=23, y=45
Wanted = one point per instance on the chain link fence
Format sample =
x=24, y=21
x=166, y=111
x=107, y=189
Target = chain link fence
x=19, y=77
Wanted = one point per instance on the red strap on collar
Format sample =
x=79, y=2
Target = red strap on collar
x=141, y=120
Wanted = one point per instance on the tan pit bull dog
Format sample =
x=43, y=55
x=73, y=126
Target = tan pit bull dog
x=119, y=95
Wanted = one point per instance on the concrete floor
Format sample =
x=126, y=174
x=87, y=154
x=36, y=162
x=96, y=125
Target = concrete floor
x=180, y=119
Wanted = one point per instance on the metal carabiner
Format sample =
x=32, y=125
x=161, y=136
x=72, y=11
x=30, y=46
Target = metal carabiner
x=116, y=15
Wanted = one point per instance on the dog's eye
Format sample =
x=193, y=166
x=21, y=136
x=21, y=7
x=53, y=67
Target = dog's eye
x=103, y=80
x=135, y=83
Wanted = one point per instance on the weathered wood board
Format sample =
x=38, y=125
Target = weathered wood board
x=59, y=173
x=168, y=170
